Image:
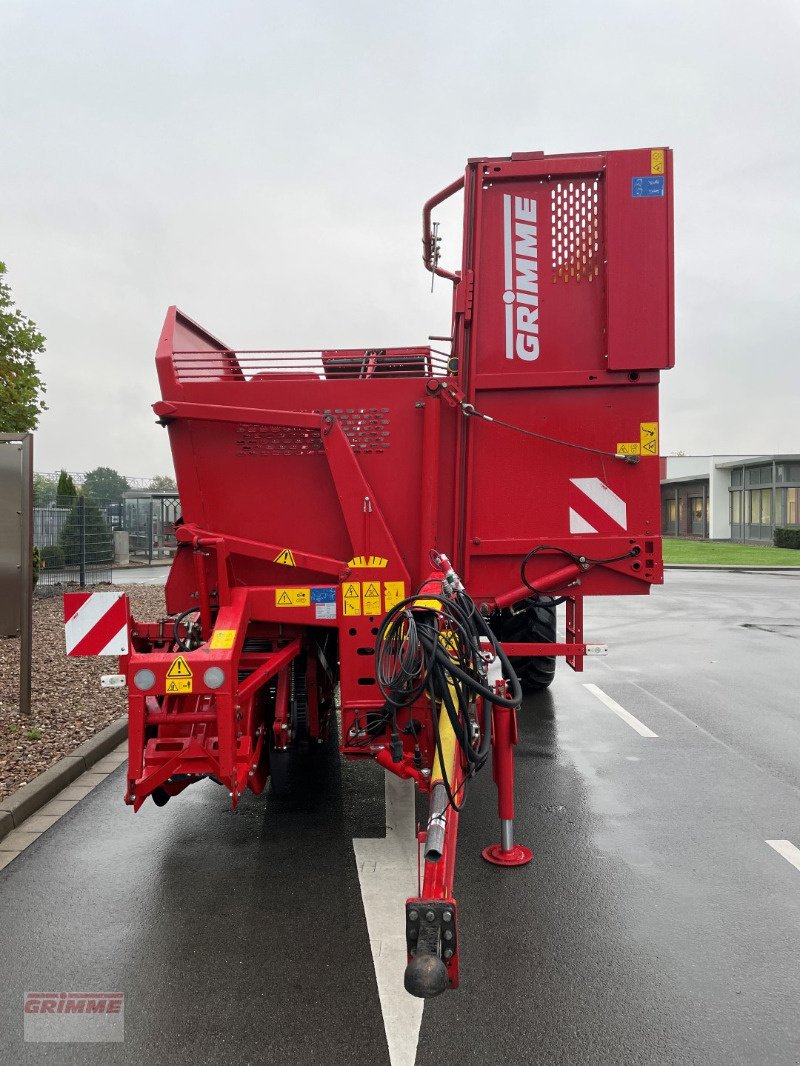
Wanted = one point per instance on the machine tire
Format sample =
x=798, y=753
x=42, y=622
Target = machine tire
x=284, y=765
x=160, y=796
x=280, y=773
x=531, y=621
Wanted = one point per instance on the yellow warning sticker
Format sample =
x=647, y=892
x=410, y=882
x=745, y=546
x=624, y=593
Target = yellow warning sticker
x=657, y=161
x=293, y=597
x=179, y=676
x=648, y=432
x=393, y=593
x=179, y=668
x=631, y=448
x=285, y=558
x=221, y=639
x=368, y=562
x=351, y=597
x=372, y=597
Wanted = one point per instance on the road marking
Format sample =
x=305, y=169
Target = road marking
x=387, y=872
x=626, y=716
x=788, y=850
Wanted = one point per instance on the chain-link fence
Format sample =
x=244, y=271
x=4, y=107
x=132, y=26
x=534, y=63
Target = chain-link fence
x=75, y=539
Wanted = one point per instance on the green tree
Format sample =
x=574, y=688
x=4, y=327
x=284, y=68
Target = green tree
x=98, y=539
x=45, y=488
x=103, y=483
x=163, y=483
x=66, y=486
x=21, y=387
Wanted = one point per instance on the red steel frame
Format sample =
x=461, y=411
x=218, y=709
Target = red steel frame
x=315, y=484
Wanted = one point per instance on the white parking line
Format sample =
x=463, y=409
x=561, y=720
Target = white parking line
x=387, y=872
x=787, y=849
x=626, y=716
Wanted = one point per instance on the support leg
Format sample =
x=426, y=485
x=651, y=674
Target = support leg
x=504, y=737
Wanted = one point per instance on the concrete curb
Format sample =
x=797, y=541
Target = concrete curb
x=730, y=569
x=28, y=799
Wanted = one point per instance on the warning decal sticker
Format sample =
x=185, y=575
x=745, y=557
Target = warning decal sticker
x=222, y=639
x=393, y=593
x=323, y=595
x=179, y=676
x=648, y=432
x=631, y=448
x=657, y=161
x=351, y=597
x=651, y=185
x=285, y=558
x=292, y=597
x=372, y=597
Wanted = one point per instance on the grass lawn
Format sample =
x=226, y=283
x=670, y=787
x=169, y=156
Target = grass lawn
x=722, y=553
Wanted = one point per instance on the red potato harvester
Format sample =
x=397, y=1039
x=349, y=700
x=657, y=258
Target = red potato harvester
x=324, y=494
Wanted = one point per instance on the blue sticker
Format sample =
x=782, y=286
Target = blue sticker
x=323, y=595
x=648, y=186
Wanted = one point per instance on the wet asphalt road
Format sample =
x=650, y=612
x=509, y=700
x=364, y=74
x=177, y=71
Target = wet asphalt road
x=654, y=925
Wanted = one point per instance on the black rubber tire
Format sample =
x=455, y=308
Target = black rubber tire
x=160, y=796
x=531, y=621
x=281, y=773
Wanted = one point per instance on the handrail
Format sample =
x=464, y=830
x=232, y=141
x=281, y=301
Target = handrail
x=427, y=235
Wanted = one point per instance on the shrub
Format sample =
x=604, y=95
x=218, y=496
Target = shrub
x=36, y=565
x=52, y=556
x=787, y=537
x=99, y=542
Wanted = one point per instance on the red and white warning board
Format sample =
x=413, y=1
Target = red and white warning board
x=96, y=623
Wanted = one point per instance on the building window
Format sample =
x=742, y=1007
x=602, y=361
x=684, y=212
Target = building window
x=736, y=507
x=759, y=507
x=759, y=475
x=786, y=507
x=736, y=476
x=787, y=472
x=696, y=510
x=671, y=512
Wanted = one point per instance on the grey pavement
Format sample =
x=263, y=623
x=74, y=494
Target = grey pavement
x=140, y=575
x=655, y=925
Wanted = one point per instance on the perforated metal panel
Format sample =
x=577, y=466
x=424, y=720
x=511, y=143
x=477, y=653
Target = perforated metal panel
x=576, y=231
x=366, y=428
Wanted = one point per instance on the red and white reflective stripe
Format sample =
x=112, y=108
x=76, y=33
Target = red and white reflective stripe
x=96, y=623
x=595, y=508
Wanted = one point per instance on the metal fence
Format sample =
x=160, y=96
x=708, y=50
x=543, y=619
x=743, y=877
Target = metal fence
x=75, y=538
x=149, y=519
x=75, y=535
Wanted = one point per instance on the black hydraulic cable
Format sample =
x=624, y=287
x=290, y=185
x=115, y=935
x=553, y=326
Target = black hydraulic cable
x=582, y=561
x=411, y=656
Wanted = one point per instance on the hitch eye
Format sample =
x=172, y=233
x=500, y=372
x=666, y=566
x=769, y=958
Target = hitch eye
x=144, y=680
x=214, y=677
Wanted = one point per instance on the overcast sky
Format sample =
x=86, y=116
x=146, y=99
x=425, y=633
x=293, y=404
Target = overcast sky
x=263, y=166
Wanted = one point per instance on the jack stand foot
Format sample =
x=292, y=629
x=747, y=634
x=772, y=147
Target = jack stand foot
x=517, y=855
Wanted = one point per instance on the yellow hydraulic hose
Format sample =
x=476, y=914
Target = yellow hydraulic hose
x=447, y=739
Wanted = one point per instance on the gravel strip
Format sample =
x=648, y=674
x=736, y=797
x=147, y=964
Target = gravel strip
x=68, y=705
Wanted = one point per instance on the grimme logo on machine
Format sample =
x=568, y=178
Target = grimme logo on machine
x=521, y=295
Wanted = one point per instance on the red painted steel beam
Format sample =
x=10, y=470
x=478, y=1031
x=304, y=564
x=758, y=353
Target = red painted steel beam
x=211, y=412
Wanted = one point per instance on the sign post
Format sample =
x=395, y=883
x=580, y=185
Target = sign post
x=16, y=552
